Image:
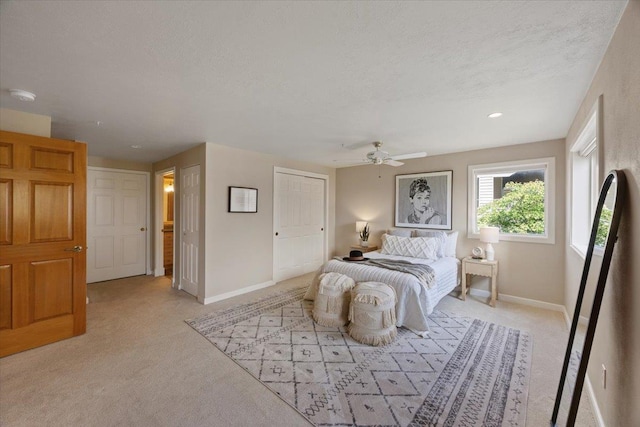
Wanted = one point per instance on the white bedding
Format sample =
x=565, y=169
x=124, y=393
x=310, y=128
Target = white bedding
x=415, y=301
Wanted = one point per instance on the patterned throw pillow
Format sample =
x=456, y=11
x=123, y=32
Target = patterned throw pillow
x=416, y=247
x=441, y=236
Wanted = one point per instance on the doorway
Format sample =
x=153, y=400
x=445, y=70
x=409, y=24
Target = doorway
x=164, y=246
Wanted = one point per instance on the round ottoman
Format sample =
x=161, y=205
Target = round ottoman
x=331, y=306
x=373, y=313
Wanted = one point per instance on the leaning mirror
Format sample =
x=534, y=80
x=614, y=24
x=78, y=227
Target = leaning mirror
x=604, y=233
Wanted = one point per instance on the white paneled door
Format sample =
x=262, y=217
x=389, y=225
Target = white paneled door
x=299, y=225
x=189, y=228
x=116, y=224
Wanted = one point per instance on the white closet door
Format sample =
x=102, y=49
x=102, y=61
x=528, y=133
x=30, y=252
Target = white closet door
x=189, y=228
x=299, y=225
x=116, y=224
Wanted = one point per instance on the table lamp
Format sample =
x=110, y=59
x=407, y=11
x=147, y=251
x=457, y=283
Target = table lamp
x=489, y=235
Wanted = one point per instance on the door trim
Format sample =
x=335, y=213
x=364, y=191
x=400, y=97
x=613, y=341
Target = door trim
x=147, y=175
x=325, y=237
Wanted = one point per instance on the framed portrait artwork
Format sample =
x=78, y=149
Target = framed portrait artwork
x=242, y=199
x=423, y=200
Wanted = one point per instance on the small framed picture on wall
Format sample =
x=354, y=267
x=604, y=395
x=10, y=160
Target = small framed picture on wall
x=423, y=200
x=242, y=199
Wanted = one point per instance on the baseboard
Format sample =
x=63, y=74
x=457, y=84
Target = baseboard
x=237, y=292
x=594, y=404
x=518, y=300
x=584, y=321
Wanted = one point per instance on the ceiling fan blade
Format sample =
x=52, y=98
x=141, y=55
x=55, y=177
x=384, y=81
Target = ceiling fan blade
x=392, y=162
x=409, y=156
x=352, y=161
x=356, y=145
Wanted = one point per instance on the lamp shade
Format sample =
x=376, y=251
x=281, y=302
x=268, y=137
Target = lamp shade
x=490, y=234
x=360, y=225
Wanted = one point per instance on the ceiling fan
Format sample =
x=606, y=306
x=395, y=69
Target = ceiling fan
x=379, y=157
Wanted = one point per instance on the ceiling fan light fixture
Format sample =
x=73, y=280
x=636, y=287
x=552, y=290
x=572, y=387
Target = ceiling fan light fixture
x=494, y=115
x=22, y=95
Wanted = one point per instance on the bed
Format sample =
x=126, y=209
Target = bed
x=415, y=300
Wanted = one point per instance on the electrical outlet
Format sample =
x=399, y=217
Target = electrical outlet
x=604, y=376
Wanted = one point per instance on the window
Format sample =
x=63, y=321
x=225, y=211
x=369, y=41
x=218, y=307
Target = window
x=518, y=197
x=585, y=180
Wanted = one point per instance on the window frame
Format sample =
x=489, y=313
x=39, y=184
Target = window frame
x=549, y=166
x=587, y=147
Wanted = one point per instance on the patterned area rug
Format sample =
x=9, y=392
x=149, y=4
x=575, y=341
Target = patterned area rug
x=466, y=373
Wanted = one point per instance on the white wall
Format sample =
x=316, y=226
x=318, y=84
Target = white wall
x=617, y=340
x=18, y=121
x=237, y=249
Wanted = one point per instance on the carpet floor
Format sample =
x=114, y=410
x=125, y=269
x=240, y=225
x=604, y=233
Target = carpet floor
x=466, y=372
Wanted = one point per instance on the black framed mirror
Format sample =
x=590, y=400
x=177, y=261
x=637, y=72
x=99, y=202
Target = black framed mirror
x=604, y=233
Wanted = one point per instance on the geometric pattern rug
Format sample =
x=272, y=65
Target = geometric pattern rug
x=466, y=372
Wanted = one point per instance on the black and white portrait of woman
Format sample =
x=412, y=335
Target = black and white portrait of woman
x=424, y=200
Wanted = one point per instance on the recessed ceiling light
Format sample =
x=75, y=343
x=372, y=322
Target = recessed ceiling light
x=494, y=115
x=136, y=147
x=22, y=95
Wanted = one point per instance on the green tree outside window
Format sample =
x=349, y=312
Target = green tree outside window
x=519, y=211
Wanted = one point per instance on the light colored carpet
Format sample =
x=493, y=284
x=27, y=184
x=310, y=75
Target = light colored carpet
x=466, y=372
x=140, y=364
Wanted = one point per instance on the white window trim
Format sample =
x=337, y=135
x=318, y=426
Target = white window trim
x=547, y=163
x=589, y=139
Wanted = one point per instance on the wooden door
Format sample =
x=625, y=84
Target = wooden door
x=42, y=241
x=299, y=222
x=189, y=228
x=116, y=224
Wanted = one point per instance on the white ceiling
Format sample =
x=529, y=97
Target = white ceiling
x=302, y=79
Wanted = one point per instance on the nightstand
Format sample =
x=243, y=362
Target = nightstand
x=480, y=267
x=364, y=249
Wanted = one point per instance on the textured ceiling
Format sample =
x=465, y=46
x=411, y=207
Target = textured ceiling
x=303, y=79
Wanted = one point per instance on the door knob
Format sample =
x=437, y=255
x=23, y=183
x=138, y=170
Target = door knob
x=143, y=229
x=276, y=233
x=74, y=249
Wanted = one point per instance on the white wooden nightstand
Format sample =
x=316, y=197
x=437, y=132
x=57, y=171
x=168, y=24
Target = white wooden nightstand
x=480, y=267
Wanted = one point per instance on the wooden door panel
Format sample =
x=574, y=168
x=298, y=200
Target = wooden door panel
x=52, y=160
x=54, y=223
x=42, y=205
x=6, y=155
x=51, y=288
x=5, y=297
x=6, y=211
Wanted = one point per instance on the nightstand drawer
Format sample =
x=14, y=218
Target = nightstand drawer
x=479, y=269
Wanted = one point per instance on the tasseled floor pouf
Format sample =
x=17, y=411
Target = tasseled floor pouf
x=331, y=307
x=373, y=313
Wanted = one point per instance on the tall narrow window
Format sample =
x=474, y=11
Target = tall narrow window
x=517, y=197
x=585, y=180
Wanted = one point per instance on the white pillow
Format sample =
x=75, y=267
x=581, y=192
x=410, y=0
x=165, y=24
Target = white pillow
x=402, y=232
x=416, y=247
x=441, y=236
x=450, y=244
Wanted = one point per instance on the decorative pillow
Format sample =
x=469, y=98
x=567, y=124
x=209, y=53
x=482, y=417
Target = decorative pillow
x=441, y=236
x=402, y=232
x=450, y=245
x=416, y=247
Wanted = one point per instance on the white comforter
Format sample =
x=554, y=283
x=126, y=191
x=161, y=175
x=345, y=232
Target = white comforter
x=415, y=301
